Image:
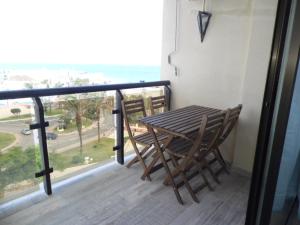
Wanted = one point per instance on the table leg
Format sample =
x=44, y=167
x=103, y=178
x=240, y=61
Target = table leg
x=162, y=157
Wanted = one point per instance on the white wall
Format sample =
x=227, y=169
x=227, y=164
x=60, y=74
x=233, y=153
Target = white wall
x=228, y=68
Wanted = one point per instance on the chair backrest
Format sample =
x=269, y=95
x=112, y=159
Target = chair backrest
x=230, y=122
x=211, y=126
x=131, y=108
x=158, y=102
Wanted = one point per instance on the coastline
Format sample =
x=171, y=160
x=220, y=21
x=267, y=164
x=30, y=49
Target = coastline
x=24, y=76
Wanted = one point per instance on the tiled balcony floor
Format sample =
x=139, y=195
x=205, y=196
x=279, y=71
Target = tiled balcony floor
x=118, y=196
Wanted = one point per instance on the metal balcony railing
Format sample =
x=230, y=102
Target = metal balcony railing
x=41, y=123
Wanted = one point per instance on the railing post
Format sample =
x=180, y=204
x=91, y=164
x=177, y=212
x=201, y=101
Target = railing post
x=167, y=91
x=119, y=128
x=41, y=126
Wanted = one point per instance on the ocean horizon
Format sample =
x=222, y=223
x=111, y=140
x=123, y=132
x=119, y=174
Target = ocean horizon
x=124, y=73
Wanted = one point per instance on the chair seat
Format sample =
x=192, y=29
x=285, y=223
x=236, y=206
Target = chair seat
x=206, y=138
x=147, y=138
x=180, y=147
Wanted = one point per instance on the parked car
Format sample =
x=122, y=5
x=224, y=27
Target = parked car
x=26, y=131
x=51, y=136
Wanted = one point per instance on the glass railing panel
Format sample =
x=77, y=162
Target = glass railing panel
x=19, y=150
x=81, y=134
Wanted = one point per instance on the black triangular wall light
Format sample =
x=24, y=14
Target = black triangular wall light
x=203, y=22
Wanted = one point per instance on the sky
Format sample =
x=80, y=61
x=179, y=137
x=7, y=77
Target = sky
x=81, y=31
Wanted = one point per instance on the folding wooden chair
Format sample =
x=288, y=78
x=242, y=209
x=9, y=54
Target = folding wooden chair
x=187, y=154
x=131, y=110
x=231, y=120
x=157, y=103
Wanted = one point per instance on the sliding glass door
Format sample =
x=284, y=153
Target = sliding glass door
x=275, y=189
x=285, y=204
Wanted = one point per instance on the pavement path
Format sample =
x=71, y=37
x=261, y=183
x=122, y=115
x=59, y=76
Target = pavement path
x=63, y=141
x=11, y=145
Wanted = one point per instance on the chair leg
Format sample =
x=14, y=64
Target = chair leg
x=175, y=174
x=136, y=159
x=153, y=162
x=150, y=152
x=185, y=180
x=173, y=161
x=133, y=161
x=199, y=167
x=221, y=160
x=206, y=165
x=141, y=160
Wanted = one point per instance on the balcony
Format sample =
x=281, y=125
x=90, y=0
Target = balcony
x=68, y=168
x=97, y=189
x=116, y=195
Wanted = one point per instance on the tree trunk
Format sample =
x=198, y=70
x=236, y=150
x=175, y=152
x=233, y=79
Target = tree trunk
x=79, y=129
x=80, y=140
x=2, y=186
x=1, y=193
x=98, y=123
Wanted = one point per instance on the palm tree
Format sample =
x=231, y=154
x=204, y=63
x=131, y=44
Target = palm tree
x=28, y=85
x=103, y=103
x=96, y=104
x=47, y=100
x=94, y=111
x=98, y=116
x=75, y=106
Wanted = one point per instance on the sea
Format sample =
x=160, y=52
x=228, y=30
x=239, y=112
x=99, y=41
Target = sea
x=112, y=73
x=121, y=73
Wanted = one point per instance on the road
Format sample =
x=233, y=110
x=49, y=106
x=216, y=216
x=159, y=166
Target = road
x=63, y=141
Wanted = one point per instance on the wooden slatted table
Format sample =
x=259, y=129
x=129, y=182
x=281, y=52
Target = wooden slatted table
x=180, y=122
